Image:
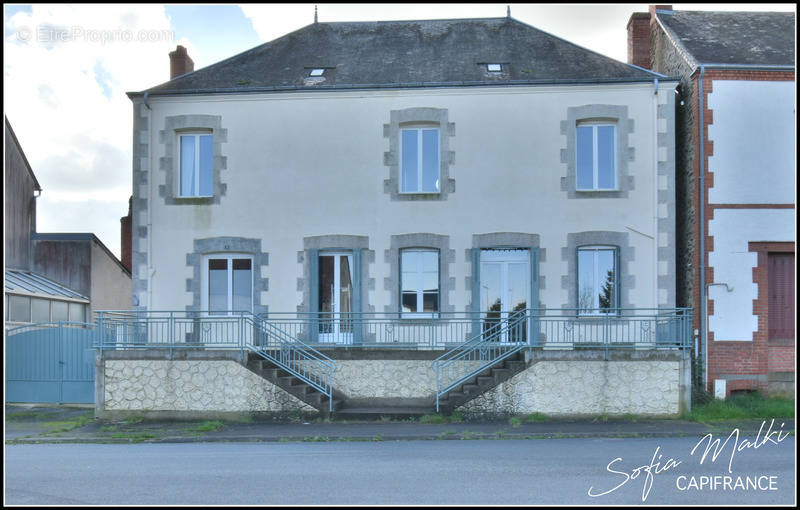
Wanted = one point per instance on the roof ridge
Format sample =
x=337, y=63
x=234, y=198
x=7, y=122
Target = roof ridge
x=657, y=75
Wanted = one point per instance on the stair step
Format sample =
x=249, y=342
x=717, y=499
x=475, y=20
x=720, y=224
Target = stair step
x=303, y=389
x=498, y=372
x=374, y=413
x=485, y=380
x=470, y=388
x=514, y=365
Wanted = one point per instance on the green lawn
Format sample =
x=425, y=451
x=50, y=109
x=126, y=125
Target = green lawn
x=753, y=405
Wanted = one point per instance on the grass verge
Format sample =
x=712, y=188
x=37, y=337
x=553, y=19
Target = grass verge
x=67, y=425
x=750, y=406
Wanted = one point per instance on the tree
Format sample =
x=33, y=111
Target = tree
x=607, y=298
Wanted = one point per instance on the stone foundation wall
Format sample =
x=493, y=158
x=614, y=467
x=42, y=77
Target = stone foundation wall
x=586, y=388
x=385, y=378
x=557, y=383
x=191, y=385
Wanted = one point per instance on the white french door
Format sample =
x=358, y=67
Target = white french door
x=336, y=297
x=505, y=287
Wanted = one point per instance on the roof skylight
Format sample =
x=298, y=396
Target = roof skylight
x=493, y=68
x=316, y=71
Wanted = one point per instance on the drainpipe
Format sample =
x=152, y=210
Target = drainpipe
x=701, y=195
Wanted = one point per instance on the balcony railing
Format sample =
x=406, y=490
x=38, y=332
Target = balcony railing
x=550, y=329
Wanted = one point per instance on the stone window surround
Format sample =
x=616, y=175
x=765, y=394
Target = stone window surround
x=398, y=119
x=447, y=256
x=616, y=114
x=223, y=245
x=504, y=240
x=336, y=242
x=626, y=254
x=176, y=125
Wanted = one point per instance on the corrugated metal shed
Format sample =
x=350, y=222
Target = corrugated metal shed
x=32, y=283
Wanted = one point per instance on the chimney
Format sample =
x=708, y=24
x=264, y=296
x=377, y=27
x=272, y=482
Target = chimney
x=179, y=62
x=639, y=39
x=125, y=233
x=639, y=31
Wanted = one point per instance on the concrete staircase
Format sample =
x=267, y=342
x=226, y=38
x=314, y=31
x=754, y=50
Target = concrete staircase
x=483, y=382
x=395, y=408
x=293, y=385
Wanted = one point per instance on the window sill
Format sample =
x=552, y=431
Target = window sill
x=599, y=190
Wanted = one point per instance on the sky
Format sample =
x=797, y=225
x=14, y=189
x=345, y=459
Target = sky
x=67, y=68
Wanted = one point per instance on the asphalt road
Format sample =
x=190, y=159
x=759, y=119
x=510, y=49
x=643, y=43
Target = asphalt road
x=500, y=472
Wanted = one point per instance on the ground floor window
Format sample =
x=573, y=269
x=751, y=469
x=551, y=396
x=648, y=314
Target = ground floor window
x=419, y=275
x=597, y=280
x=229, y=284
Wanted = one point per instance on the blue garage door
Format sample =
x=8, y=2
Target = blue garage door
x=50, y=362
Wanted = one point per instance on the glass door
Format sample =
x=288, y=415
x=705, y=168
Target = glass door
x=505, y=294
x=336, y=297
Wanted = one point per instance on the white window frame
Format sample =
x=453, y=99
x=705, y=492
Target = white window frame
x=420, y=292
x=596, y=291
x=595, y=169
x=196, y=170
x=420, y=170
x=204, y=303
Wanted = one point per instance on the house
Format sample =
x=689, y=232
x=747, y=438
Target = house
x=50, y=278
x=464, y=214
x=76, y=270
x=735, y=184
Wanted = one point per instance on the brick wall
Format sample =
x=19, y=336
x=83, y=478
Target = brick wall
x=745, y=365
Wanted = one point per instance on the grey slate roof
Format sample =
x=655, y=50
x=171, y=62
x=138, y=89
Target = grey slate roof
x=743, y=38
x=406, y=54
x=28, y=282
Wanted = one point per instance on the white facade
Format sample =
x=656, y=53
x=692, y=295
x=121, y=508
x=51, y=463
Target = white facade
x=753, y=133
x=753, y=162
x=733, y=265
x=302, y=164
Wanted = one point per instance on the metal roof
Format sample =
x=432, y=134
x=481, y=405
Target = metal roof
x=32, y=283
x=419, y=53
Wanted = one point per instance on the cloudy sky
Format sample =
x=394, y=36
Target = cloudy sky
x=67, y=68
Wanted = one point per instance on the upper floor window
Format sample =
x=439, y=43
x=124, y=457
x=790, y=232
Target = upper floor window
x=597, y=280
x=596, y=157
x=229, y=284
x=419, y=282
x=196, y=165
x=419, y=149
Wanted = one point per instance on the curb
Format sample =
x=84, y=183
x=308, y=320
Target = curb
x=331, y=439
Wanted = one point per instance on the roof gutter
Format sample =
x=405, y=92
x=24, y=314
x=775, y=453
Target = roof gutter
x=749, y=67
x=302, y=88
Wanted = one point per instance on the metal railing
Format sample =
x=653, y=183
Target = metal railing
x=495, y=343
x=472, y=339
x=555, y=328
x=133, y=329
x=507, y=333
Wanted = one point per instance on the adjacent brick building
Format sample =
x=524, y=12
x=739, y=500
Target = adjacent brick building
x=735, y=142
